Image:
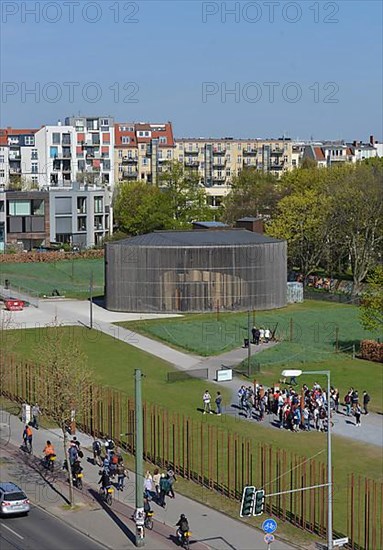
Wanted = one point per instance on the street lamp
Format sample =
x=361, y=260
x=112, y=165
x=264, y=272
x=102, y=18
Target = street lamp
x=293, y=372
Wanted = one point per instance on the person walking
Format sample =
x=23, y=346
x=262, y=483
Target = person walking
x=218, y=402
x=357, y=413
x=347, y=400
x=164, y=489
x=206, y=402
x=122, y=473
x=253, y=332
x=172, y=479
x=156, y=481
x=366, y=400
x=27, y=437
x=35, y=416
x=267, y=335
x=257, y=336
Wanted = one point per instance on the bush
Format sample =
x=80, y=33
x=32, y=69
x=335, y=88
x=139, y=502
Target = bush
x=371, y=351
x=48, y=257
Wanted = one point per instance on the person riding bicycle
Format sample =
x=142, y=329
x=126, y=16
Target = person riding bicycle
x=147, y=508
x=48, y=451
x=183, y=525
x=105, y=481
x=27, y=436
x=76, y=468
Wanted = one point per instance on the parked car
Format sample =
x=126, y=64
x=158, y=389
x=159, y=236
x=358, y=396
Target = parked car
x=13, y=500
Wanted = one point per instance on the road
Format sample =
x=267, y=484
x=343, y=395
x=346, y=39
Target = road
x=40, y=530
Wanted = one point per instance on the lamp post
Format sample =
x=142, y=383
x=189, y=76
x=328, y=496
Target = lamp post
x=292, y=372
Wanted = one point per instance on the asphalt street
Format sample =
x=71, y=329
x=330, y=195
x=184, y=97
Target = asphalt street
x=41, y=531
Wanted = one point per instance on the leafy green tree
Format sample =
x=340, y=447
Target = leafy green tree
x=357, y=217
x=253, y=193
x=303, y=220
x=185, y=194
x=371, y=309
x=141, y=208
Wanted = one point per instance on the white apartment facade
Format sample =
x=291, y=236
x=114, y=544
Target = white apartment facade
x=56, y=154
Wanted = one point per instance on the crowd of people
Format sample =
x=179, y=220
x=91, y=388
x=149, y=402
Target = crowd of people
x=299, y=410
x=261, y=335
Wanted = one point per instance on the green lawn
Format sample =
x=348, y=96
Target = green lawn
x=315, y=326
x=70, y=278
x=114, y=362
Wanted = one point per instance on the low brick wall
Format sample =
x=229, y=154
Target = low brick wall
x=49, y=257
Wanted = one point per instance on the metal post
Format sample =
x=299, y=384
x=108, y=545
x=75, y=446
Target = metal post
x=249, y=347
x=139, y=515
x=91, y=300
x=329, y=468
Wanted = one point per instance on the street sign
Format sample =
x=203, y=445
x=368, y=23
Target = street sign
x=340, y=542
x=269, y=525
x=269, y=539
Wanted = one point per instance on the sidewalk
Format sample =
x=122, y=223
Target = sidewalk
x=210, y=529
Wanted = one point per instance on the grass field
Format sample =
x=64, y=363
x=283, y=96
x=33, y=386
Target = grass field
x=315, y=326
x=70, y=278
x=114, y=363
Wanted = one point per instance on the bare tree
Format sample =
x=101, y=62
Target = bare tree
x=64, y=367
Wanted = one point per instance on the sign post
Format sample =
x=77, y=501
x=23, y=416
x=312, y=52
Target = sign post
x=269, y=526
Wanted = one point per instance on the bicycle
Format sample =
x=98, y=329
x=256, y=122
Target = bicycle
x=107, y=495
x=28, y=446
x=148, y=522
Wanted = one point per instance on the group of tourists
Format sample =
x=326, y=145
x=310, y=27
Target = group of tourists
x=261, y=335
x=159, y=486
x=112, y=463
x=299, y=411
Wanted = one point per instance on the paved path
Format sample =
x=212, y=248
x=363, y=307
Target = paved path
x=210, y=528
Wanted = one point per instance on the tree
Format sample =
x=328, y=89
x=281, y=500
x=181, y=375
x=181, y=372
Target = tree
x=303, y=220
x=68, y=378
x=357, y=216
x=371, y=309
x=253, y=193
x=186, y=196
x=141, y=208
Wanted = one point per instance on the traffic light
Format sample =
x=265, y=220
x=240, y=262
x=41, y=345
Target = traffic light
x=247, y=505
x=259, y=502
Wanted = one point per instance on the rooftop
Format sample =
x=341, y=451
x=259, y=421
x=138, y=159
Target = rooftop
x=222, y=237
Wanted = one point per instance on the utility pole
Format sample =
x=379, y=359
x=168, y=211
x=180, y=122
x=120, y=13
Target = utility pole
x=91, y=300
x=139, y=515
x=249, y=346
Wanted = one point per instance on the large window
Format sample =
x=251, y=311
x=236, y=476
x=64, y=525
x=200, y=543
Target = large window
x=81, y=223
x=81, y=205
x=34, y=154
x=19, y=208
x=37, y=207
x=98, y=205
x=56, y=138
x=53, y=152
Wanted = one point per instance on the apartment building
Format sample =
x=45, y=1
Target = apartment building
x=94, y=150
x=141, y=149
x=217, y=161
x=26, y=218
x=80, y=215
x=3, y=224
x=18, y=157
x=56, y=156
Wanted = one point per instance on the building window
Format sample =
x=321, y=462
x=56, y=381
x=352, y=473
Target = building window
x=142, y=146
x=104, y=122
x=125, y=140
x=66, y=139
x=37, y=207
x=163, y=139
x=120, y=153
x=98, y=205
x=98, y=223
x=81, y=165
x=2, y=159
x=35, y=179
x=81, y=223
x=53, y=152
x=81, y=205
x=169, y=155
x=56, y=138
x=19, y=208
x=29, y=140
x=34, y=168
x=2, y=173
x=145, y=162
x=34, y=154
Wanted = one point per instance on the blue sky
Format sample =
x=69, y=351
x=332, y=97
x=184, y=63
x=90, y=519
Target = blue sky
x=183, y=58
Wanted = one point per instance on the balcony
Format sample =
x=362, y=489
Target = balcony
x=130, y=175
x=14, y=156
x=14, y=170
x=250, y=152
x=219, y=179
x=277, y=152
x=193, y=152
x=217, y=165
x=129, y=160
x=219, y=152
x=192, y=163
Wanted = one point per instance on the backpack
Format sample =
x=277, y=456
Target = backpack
x=184, y=526
x=81, y=454
x=114, y=459
x=96, y=446
x=347, y=399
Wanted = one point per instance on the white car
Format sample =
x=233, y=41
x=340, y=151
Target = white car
x=13, y=500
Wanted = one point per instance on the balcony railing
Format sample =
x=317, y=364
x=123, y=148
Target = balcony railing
x=192, y=163
x=193, y=152
x=250, y=152
x=129, y=160
x=130, y=175
x=219, y=152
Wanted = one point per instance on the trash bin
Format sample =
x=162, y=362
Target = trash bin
x=246, y=343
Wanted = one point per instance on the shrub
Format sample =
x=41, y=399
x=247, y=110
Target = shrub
x=371, y=350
